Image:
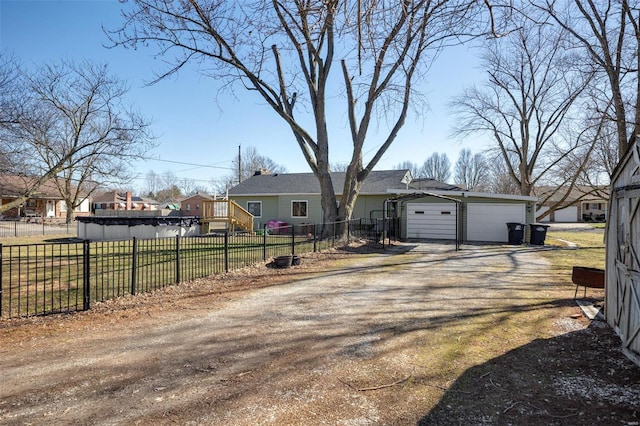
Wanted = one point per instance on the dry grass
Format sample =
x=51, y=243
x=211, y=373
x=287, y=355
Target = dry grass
x=575, y=248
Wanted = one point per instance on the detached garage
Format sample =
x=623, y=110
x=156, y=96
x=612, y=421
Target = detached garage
x=471, y=216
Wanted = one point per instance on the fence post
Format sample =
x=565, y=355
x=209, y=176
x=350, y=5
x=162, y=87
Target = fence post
x=177, y=259
x=315, y=239
x=226, y=251
x=264, y=242
x=0, y=280
x=134, y=266
x=348, y=223
x=293, y=239
x=86, y=282
x=384, y=231
x=333, y=242
x=15, y=228
x=43, y=231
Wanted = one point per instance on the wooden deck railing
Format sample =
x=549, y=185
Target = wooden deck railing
x=227, y=211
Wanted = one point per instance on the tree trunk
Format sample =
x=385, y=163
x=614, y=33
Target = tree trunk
x=70, y=215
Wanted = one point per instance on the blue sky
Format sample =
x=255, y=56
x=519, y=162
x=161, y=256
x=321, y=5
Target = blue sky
x=192, y=122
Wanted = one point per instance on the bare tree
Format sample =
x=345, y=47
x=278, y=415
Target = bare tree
x=527, y=103
x=605, y=157
x=152, y=185
x=77, y=130
x=285, y=52
x=500, y=181
x=245, y=166
x=187, y=186
x=437, y=167
x=339, y=167
x=169, y=193
x=609, y=31
x=251, y=162
x=10, y=86
x=411, y=166
x=170, y=187
x=10, y=103
x=472, y=171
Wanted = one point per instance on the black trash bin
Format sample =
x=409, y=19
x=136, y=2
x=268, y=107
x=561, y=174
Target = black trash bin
x=516, y=233
x=538, y=233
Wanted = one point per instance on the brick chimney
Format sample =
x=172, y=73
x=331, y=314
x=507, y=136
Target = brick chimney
x=128, y=201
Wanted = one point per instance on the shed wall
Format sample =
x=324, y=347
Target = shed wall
x=622, y=275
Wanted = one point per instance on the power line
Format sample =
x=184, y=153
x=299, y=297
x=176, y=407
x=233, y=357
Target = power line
x=212, y=166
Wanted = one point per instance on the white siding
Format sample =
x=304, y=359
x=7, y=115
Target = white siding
x=488, y=222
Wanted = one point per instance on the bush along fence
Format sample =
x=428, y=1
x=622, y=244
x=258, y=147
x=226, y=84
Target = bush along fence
x=16, y=228
x=42, y=279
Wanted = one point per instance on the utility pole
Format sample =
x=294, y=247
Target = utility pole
x=239, y=165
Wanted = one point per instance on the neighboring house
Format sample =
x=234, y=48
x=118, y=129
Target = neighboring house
x=192, y=205
x=622, y=276
x=45, y=202
x=171, y=204
x=122, y=201
x=428, y=184
x=436, y=211
x=583, y=204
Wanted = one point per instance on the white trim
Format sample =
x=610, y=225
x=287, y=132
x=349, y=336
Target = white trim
x=256, y=201
x=307, y=209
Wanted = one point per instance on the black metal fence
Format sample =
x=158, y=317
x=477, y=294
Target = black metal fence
x=41, y=279
x=17, y=228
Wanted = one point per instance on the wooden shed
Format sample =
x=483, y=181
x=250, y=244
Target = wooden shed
x=622, y=283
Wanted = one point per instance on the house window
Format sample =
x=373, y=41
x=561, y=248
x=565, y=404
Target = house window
x=255, y=208
x=188, y=207
x=593, y=206
x=299, y=208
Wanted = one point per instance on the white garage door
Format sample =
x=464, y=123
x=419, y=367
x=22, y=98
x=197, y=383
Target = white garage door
x=431, y=221
x=541, y=210
x=568, y=214
x=488, y=222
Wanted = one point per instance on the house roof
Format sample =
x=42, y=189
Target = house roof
x=579, y=192
x=378, y=182
x=120, y=197
x=198, y=195
x=12, y=186
x=432, y=184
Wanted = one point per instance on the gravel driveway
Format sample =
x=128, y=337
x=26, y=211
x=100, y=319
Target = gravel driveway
x=349, y=339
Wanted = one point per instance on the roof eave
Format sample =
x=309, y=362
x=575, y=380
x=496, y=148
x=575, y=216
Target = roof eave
x=467, y=194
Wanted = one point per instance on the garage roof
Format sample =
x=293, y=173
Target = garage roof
x=464, y=194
